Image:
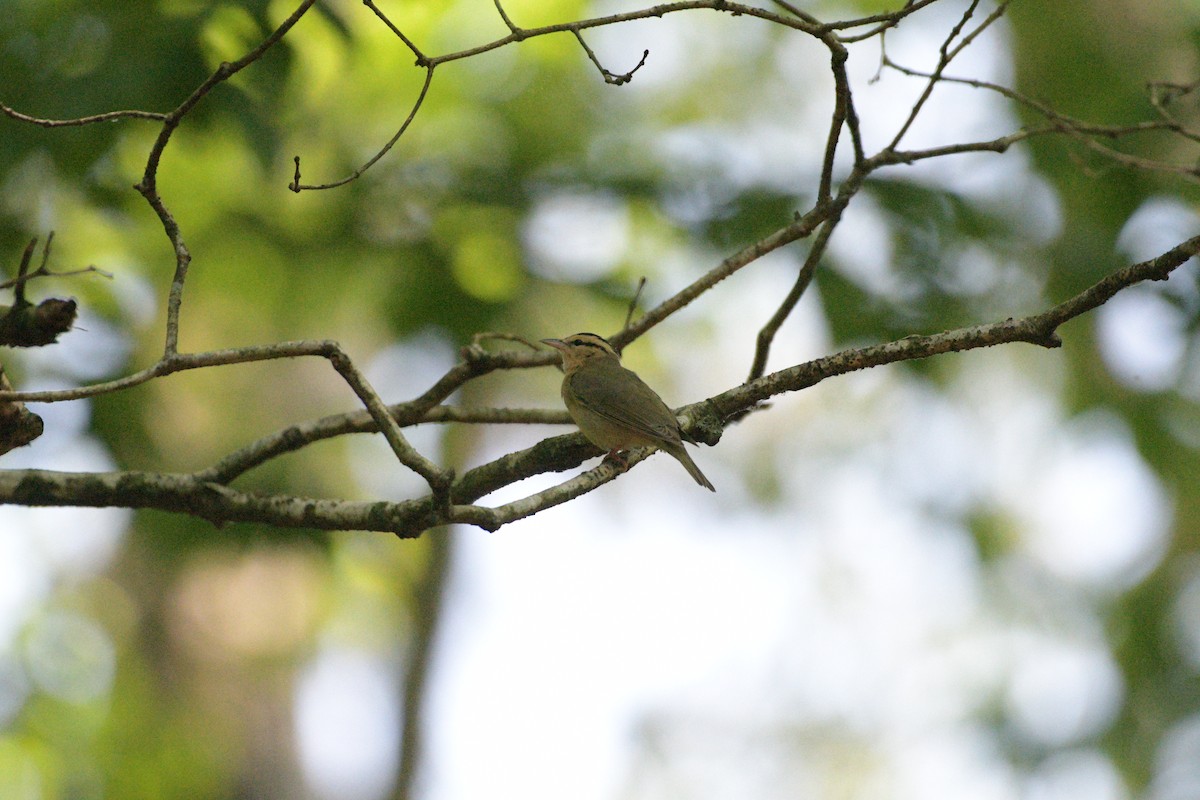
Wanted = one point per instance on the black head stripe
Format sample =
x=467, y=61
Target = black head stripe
x=601, y=344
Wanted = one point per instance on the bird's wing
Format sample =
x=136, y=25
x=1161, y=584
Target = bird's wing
x=620, y=395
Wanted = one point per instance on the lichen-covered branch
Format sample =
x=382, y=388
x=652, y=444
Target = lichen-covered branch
x=455, y=498
x=203, y=495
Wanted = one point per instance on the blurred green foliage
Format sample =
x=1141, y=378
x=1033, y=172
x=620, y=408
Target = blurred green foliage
x=431, y=240
x=1105, y=80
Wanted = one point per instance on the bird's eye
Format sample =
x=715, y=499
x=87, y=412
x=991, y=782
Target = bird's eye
x=578, y=342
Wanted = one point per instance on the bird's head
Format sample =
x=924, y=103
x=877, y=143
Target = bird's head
x=581, y=348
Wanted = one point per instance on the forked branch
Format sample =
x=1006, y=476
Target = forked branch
x=451, y=498
x=203, y=494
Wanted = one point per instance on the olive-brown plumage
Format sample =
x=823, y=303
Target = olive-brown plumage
x=613, y=407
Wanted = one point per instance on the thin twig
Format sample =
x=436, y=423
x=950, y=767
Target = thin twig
x=518, y=34
x=843, y=109
x=609, y=77
x=791, y=9
x=296, y=186
x=882, y=22
x=766, y=335
x=504, y=16
x=326, y=349
x=23, y=274
x=1059, y=124
x=422, y=59
x=296, y=437
x=43, y=271
x=108, y=116
x=946, y=55
x=633, y=303
x=724, y=6
x=148, y=185
x=800, y=228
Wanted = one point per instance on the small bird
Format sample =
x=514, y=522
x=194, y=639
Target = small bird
x=613, y=407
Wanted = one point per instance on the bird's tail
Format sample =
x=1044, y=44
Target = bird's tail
x=681, y=455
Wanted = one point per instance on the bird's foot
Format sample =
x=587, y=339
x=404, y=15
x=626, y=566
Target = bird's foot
x=618, y=459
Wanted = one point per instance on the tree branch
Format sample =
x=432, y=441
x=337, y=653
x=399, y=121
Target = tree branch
x=201, y=496
x=206, y=493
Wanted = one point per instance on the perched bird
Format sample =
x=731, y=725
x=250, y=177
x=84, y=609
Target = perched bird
x=613, y=407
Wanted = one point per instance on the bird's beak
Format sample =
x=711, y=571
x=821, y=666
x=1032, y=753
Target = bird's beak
x=557, y=344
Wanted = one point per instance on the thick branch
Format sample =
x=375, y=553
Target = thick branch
x=194, y=495
x=206, y=493
x=213, y=502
